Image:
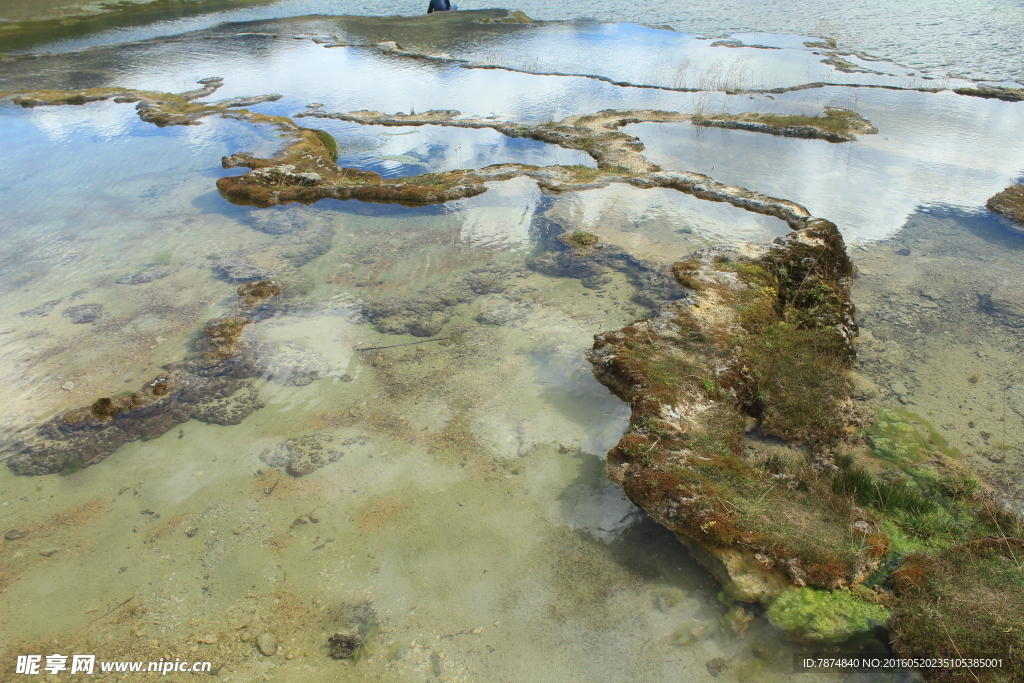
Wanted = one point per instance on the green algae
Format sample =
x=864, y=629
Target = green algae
x=900, y=435
x=811, y=614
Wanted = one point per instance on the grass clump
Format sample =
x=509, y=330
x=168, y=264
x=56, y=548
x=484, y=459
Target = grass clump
x=964, y=602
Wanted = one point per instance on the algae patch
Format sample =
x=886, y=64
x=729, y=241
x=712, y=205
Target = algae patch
x=810, y=614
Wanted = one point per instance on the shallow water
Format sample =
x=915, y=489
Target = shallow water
x=468, y=530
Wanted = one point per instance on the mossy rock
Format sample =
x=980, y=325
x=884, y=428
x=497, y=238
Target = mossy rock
x=814, y=615
x=1009, y=202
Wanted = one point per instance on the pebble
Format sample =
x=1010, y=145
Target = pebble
x=67, y=386
x=49, y=553
x=207, y=640
x=898, y=388
x=267, y=643
x=14, y=535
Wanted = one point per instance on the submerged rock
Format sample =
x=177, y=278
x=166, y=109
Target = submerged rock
x=224, y=337
x=146, y=275
x=423, y=315
x=41, y=309
x=84, y=313
x=231, y=410
x=266, y=643
x=253, y=293
x=291, y=364
x=1005, y=302
x=238, y=269
x=302, y=455
x=211, y=388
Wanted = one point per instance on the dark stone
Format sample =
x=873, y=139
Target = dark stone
x=903, y=252
x=14, y=535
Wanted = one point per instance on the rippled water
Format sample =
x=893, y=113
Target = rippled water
x=468, y=530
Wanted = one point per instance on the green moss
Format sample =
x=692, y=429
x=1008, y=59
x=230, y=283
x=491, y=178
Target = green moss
x=161, y=258
x=810, y=614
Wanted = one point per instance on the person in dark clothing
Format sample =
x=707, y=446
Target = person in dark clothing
x=439, y=6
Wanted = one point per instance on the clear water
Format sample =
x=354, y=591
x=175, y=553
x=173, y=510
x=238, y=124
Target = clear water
x=472, y=535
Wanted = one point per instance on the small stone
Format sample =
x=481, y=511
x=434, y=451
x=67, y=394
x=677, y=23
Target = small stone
x=903, y=252
x=898, y=388
x=207, y=640
x=49, y=553
x=67, y=386
x=191, y=531
x=14, y=535
x=477, y=631
x=266, y=642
